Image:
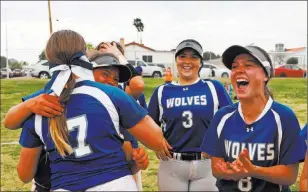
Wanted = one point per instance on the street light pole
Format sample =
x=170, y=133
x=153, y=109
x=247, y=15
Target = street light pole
x=7, y=52
x=50, y=22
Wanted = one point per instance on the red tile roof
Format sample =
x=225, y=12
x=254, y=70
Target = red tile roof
x=140, y=45
x=295, y=49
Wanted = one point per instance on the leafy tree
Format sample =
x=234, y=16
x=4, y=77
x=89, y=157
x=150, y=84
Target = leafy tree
x=15, y=65
x=42, y=56
x=3, y=62
x=292, y=60
x=90, y=46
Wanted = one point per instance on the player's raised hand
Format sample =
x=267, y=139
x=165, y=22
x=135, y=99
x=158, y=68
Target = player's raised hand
x=111, y=48
x=45, y=105
x=141, y=158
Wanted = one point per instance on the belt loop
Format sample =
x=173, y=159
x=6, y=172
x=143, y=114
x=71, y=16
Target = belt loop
x=179, y=156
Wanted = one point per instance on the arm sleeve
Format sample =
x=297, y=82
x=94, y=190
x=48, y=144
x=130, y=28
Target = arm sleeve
x=129, y=137
x=28, y=137
x=153, y=108
x=223, y=96
x=211, y=143
x=130, y=112
x=292, y=148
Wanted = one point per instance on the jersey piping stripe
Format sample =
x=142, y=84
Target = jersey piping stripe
x=214, y=95
x=222, y=122
x=159, y=97
x=278, y=122
x=265, y=110
x=103, y=98
x=38, y=127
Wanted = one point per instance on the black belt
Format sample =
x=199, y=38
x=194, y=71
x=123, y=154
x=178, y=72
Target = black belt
x=187, y=156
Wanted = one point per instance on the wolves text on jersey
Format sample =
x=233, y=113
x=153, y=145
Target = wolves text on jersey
x=260, y=151
x=186, y=101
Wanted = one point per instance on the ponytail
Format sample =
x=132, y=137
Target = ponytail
x=57, y=125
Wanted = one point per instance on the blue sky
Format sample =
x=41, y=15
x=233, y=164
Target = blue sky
x=216, y=25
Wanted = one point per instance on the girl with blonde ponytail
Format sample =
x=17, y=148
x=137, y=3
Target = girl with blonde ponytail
x=84, y=144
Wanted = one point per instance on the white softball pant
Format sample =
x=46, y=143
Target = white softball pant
x=126, y=183
x=179, y=175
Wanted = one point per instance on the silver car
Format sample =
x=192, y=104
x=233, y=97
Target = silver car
x=41, y=70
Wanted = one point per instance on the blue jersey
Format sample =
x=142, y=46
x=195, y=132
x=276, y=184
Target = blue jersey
x=94, y=114
x=185, y=112
x=304, y=135
x=271, y=140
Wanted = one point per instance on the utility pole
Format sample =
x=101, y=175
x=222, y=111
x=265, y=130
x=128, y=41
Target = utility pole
x=7, y=52
x=50, y=22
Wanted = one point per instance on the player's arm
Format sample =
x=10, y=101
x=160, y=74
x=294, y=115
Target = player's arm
x=44, y=104
x=150, y=134
x=27, y=164
x=303, y=179
x=30, y=151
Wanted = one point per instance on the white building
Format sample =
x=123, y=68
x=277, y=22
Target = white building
x=281, y=55
x=135, y=51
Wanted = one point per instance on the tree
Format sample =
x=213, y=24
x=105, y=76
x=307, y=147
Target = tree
x=208, y=55
x=42, y=56
x=292, y=60
x=90, y=46
x=15, y=65
x=279, y=58
x=139, y=26
x=3, y=62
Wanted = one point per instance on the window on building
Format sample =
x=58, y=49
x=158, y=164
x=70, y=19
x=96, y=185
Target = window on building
x=147, y=58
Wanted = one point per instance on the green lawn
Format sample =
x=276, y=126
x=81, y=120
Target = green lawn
x=292, y=92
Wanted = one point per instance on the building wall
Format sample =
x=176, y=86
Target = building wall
x=301, y=55
x=133, y=52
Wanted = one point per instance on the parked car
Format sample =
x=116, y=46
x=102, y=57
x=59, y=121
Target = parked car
x=41, y=70
x=162, y=66
x=4, y=72
x=18, y=73
x=212, y=70
x=289, y=70
x=148, y=70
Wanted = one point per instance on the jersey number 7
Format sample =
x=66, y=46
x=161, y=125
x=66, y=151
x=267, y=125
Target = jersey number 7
x=81, y=124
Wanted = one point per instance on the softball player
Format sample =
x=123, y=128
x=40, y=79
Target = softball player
x=184, y=110
x=85, y=156
x=254, y=144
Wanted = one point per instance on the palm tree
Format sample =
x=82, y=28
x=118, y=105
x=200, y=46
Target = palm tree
x=139, y=26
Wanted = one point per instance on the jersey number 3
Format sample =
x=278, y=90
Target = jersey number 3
x=187, y=120
x=81, y=124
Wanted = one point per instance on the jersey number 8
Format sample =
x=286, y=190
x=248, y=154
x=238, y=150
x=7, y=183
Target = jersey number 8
x=188, y=122
x=245, y=184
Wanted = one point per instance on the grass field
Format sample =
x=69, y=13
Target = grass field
x=292, y=92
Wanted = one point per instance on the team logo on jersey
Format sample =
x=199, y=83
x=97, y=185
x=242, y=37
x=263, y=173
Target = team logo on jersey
x=249, y=129
x=185, y=89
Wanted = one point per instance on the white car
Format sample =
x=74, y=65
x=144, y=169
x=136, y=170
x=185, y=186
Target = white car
x=40, y=70
x=148, y=70
x=210, y=70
